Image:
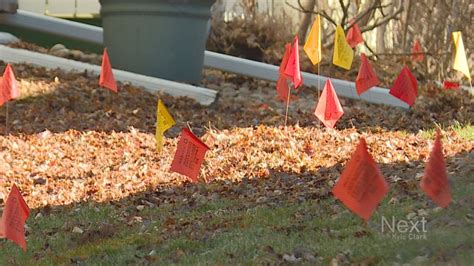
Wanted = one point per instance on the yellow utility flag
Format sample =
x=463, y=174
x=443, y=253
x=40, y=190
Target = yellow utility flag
x=312, y=47
x=460, y=61
x=343, y=53
x=164, y=121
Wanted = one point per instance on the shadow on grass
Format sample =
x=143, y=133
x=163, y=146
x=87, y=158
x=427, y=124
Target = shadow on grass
x=281, y=218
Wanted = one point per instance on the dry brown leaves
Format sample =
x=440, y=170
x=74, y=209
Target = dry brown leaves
x=71, y=141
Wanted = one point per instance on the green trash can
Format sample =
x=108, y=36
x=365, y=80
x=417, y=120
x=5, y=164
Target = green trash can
x=160, y=38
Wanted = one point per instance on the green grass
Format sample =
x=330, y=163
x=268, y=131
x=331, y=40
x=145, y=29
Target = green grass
x=231, y=230
x=464, y=131
x=223, y=231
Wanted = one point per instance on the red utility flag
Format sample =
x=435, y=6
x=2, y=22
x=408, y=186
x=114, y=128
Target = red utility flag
x=284, y=61
x=292, y=68
x=189, y=155
x=366, y=78
x=416, y=50
x=8, y=87
x=405, y=87
x=354, y=36
x=435, y=181
x=107, y=79
x=282, y=88
x=14, y=216
x=329, y=109
x=450, y=85
x=282, y=85
x=361, y=186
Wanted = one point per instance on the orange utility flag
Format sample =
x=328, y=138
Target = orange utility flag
x=405, y=87
x=366, y=78
x=292, y=68
x=416, y=50
x=460, y=61
x=435, y=181
x=361, y=186
x=328, y=110
x=343, y=54
x=354, y=36
x=189, y=155
x=14, y=216
x=312, y=47
x=8, y=87
x=107, y=79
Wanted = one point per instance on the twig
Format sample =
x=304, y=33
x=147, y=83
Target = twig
x=385, y=19
x=370, y=49
x=419, y=53
x=344, y=11
x=321, y=13
x=375, y=5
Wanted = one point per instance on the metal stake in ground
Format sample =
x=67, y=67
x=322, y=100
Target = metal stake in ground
x=287, y=105
x=6, y=119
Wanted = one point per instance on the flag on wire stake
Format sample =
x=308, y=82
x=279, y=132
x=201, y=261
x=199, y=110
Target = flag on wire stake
x=107, y=79
x=366, y=78
x=164, y=121
x=312, y=46
x=361, y=186
x=329, y=109
x=435, y=180
x=189, y=155
x=405, y=87
x=417, y=52
x=8, y=90
x=354, y=36
x=282, y=84
x=343, y=54
x=15, y=214
x=460, y=60
x=292, y=70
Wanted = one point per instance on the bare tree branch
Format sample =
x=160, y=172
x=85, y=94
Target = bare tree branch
x=384, y=20
x=366, y=13
x=406, y=54
x=344, y=11
x=321, y=13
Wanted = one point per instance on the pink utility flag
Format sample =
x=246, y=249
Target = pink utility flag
x=328, y=109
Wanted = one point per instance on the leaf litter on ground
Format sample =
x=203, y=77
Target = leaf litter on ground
x=71, y=141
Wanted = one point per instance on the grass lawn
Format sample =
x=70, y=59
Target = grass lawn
x=216, y=223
